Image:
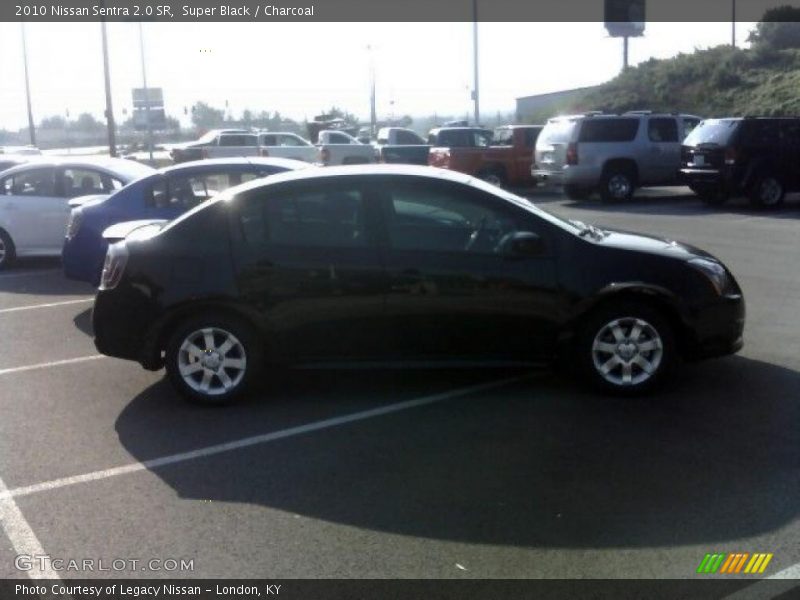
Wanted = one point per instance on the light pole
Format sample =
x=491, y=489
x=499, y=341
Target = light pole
x=112, y=141
x=146, y=96
x=475, y=93
x=31, y=126
x=373, y=117
x=733, y=23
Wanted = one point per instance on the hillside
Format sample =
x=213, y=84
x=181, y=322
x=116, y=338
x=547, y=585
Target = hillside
x=716, y=82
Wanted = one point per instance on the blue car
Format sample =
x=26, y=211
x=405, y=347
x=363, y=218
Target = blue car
x=164, y=195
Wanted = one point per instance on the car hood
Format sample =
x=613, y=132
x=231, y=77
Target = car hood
x=120, y=231
x=84, y=200
x=651, y=244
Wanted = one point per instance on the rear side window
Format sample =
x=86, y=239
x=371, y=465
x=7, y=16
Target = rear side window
x=237, y=140
x=558, y=131
x=338, y=138
x=189, y=191
x=712, y=131
x=662, y=130
x=503, y=137
x=330, y=218
x=35, y=182
x=762, y=133
x=609, y=130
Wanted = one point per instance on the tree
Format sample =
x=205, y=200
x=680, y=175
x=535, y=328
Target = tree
x=86, y=122
x=54, y=122
x=205, y=116
x=778, y=29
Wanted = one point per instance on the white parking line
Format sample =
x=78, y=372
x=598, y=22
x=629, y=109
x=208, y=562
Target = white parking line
x=254, y=440
x=48, y=305
x=54, y=363
x=21, y=536
x=768, y=587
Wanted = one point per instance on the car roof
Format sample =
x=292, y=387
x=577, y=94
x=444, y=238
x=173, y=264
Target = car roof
x=129, y=169
x=467, y=128
x=243, y=162
x=370, y=170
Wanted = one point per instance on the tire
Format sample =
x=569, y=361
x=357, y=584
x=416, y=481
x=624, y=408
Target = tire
x=574, y=192
x=766, y=192
x=7, y=250
x=494, y=176
x=196, y=363
x=611, y=360
x=617, y=184
x=711, y=195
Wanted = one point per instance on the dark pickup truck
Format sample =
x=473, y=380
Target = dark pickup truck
x=502, y=157
x=400, y=145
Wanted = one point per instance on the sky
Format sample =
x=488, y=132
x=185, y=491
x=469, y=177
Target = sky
x=300, y=69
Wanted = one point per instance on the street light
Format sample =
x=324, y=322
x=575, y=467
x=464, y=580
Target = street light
x=112, y=141
x=373, y=117
x=31, y=126
x=475, y=94
x=146, y=96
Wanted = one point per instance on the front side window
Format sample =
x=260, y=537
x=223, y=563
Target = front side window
x=35, y=182
x=662, y=130
x=82, y=182
x=444, y=218
x=310, y=218
x=237, y=140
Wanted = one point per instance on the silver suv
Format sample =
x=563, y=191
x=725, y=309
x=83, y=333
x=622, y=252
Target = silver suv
x=612, y=154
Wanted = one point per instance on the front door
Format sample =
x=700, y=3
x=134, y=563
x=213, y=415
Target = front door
x=452, y=293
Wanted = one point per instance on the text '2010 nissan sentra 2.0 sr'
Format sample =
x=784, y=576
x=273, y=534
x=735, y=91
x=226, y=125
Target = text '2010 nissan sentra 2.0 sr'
x=401, y=264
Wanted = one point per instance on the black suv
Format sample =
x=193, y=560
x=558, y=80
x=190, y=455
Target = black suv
x=758, y=157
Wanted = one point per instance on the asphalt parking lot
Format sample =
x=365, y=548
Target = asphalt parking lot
x=421, y=474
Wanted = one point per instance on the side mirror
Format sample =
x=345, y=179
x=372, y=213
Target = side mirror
x=522, y=243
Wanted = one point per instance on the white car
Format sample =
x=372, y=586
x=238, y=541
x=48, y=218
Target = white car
x=34, y=199
x=341, y=148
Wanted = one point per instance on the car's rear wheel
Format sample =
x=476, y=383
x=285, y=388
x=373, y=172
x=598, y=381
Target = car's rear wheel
x=7, y=252
x=575, y=192
x=710, y=194
x=767, y=192
x=618, y=184
x=626, y=349
x=212, y=359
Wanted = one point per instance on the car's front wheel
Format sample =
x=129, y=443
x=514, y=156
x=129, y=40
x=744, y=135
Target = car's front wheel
x=212, y=360
x=626, y=349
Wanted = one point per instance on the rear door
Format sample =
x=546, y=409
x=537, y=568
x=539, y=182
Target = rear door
x=308, y=263
x=451, y=294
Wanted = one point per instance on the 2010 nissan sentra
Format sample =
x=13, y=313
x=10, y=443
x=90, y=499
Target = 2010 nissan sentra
x=401, y=263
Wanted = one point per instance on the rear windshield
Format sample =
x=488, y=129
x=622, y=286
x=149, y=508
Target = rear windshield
x=608, y=130
x=712, y=131
x=557, y=131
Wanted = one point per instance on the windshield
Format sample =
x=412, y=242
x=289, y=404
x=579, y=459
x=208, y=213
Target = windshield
x=209, y=137
x=557, y=131
x=712, y=131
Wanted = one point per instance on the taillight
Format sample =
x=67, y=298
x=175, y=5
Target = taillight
x=731, y=156
x=114, y=265
x=264, y=152
x=74, y=223
x=324, y=156
x=572, y=154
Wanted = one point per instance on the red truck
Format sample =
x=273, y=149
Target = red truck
x=503, y=159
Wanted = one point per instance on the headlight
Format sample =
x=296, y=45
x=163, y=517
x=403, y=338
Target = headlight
x=114, y=266
x=714, y=271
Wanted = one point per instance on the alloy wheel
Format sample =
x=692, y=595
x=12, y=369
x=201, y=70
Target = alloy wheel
x=627, y=351
x=3, y=251
x=770, y=191
x=212, y=361
x=619, y=186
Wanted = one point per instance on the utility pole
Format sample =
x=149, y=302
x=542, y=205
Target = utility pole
x=112, y=138
x=373, y=116
x=475, y=93
x=624, y=52
x=146, y=96
x=733, y=23
x=31, y=126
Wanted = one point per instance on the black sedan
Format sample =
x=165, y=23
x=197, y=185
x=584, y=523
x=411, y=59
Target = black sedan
x=390, y=263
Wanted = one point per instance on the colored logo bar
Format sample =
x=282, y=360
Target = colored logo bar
x=734, y=563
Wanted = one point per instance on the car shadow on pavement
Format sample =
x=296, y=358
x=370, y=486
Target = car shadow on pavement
x=83, y=322
x=538, y=463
